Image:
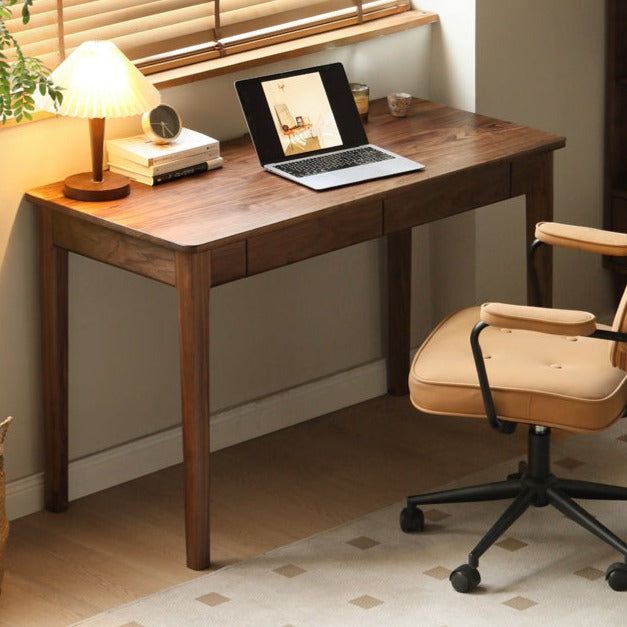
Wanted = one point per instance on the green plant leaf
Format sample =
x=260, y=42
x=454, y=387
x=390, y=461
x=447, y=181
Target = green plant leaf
x=26, y=11
x=21, y=75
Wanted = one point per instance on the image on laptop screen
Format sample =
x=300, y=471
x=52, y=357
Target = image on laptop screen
x=302, y=114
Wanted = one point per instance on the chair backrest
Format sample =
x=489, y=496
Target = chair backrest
x=618, y=350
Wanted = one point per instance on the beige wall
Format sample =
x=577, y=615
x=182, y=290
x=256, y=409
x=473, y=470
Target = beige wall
x=268, y=333
x=452, y=81
x=542, y=64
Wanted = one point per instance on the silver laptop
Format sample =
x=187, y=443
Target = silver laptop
x=305, y=127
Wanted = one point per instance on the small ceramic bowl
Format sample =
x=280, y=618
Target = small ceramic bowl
x=399, y=104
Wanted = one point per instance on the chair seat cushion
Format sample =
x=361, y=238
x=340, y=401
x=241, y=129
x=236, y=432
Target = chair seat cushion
x=551, y=380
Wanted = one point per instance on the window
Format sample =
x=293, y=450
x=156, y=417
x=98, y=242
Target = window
x=164, y=34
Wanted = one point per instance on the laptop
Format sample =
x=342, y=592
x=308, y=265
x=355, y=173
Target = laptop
x=306, y=128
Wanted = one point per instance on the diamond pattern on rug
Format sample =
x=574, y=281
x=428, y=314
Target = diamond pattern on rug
x=435, y=515
x=363, y=542
x=511, y=544
x=520, y=603
x=366, y=602
x=438, y=572
x=590, y=573
x=289, y=571
x=212, y=599
x=568, y=463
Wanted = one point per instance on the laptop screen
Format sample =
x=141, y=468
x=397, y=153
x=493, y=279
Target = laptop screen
x=302, y=113
x=299, y=113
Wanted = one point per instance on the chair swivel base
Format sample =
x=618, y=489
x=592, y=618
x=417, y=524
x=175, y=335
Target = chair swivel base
x=533, y=484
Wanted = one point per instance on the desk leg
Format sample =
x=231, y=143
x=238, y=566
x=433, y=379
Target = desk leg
x=534, y=178
x=53, y=276
x=192, y=285
x=399, y=303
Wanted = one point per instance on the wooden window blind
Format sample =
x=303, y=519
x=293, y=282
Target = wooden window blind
x=162, y=34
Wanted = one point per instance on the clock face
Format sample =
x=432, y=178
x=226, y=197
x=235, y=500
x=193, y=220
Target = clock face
x=162, y=124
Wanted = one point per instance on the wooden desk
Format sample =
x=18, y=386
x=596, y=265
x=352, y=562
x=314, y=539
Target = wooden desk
x=239, y=221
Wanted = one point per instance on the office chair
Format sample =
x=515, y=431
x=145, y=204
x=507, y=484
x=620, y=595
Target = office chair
x=549, y=368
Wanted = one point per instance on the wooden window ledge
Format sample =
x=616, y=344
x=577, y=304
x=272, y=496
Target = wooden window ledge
x=294, y=48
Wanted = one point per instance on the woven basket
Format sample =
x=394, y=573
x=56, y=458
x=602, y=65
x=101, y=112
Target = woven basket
x=4, y=523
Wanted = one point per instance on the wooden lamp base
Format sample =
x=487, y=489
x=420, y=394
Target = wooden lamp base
x=96, y=185
x=83, y=187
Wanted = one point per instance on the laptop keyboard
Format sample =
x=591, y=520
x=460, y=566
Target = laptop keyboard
x=334, y=161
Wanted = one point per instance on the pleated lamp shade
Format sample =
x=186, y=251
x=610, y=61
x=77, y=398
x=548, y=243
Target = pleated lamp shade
x=99, y=82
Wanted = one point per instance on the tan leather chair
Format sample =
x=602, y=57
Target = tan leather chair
x=549, y=368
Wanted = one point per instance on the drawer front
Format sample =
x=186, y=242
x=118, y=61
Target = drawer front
x=446, y=196
x=302, y=240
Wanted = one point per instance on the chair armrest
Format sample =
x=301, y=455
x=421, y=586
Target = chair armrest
x=582, y=238
x=555, y=321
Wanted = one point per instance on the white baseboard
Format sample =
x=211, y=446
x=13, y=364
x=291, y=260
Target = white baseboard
x=140, y=457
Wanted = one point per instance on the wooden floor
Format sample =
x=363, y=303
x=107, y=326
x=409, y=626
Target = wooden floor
x=127, y=542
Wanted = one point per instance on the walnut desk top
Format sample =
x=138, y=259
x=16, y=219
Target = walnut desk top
x=241, y=200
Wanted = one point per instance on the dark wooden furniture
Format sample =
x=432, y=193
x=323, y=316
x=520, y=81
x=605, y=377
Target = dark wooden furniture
x=239, y=221
x=615, y=184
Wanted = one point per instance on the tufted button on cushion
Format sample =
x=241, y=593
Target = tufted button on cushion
x=580, y=391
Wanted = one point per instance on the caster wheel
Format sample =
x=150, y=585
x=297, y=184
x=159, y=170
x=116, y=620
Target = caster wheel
x=465, y=578
x=616, y=576
x=412, y=520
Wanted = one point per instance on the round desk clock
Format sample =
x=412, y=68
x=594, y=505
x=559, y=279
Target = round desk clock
x=162, y=125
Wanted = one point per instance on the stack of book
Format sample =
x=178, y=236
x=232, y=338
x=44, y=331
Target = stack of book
x=142, y=160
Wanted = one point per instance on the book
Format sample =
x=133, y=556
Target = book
x=198, y=168
x=161, y=168
x=139, y=149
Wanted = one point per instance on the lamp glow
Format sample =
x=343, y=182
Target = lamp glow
x=99, y=82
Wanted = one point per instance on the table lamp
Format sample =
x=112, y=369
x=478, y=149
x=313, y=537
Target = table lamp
x=99, y=82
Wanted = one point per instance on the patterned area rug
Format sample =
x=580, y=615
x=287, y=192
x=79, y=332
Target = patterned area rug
x=367, y=572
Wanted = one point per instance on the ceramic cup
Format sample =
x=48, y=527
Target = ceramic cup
x=399, y=104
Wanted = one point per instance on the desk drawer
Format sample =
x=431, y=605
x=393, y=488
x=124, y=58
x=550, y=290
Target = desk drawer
x=303, y=240
x=446, y=196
